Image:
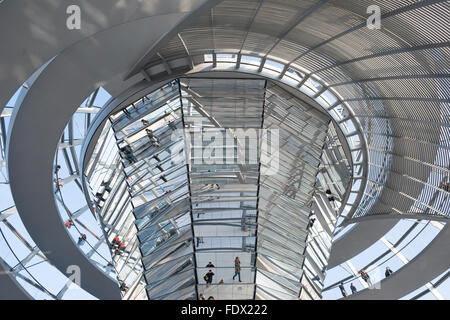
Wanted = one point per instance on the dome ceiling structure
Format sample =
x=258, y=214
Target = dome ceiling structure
x=377, y=99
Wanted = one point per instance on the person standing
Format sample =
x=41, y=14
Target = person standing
x=365, y=277
x=237, y=269
x=150, y=134
x=172, y=125
x=115, y=241
x=82, y=239
x=209, y=277
x=388, y=272
x=341, y=287
x=123, y=286
x=156, y=157
x=353, y=288
x=312, y=219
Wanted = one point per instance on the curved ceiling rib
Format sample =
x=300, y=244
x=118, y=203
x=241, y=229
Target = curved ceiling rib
x=206, y=5
x=11, y=290
x=78, y=62
x=42, y=27
x=362, y=236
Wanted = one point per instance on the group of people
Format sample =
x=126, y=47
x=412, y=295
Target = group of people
x=199, y=239
x=312, y=216
x=202, y=297
x=156, y=142
x=210, y=274
x=128, y=154
x=342, y=288
x=330, y=195
x=149, y=99
x=68, y=223
x=117, y=245
x=127, y=112
x=81, y=239
x=58, y=181
x=365, y=276
x=99, y=198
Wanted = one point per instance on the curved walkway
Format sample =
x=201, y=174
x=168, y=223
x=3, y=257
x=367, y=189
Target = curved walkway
x=429, y=264
x=10, y=288
x=32, y=32
x=40, y=120
x=362, y=236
